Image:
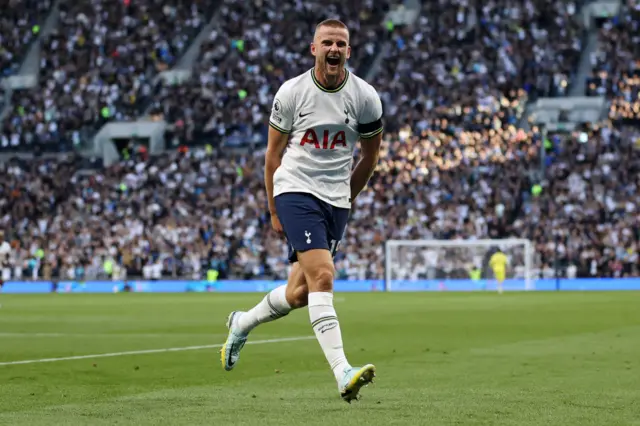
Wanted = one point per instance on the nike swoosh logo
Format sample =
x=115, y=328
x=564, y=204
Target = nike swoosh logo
x=304, y=115
x=328, y=327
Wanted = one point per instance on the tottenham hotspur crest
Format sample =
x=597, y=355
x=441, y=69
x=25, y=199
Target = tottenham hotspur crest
x=308, y=235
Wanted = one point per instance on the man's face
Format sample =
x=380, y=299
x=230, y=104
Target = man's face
x=331, y=49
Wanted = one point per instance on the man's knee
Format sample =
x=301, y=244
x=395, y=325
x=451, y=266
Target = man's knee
x=320, y=278
x=318, y=269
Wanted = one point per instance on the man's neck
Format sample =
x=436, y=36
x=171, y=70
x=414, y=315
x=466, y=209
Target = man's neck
x=330, y=82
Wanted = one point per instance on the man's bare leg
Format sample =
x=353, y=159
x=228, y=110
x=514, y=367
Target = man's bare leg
x=319, y=272
x=297, y=291
x=277, y=303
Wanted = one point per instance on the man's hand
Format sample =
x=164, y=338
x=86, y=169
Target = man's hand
x=276, y=225
x=369, y=151
x=352, y=209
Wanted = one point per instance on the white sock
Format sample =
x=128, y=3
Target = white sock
x=324, y=322
x=272, y=307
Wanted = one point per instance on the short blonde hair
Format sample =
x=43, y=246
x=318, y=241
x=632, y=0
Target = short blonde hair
x=333, y=23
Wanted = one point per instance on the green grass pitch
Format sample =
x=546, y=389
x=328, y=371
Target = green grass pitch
x=442, y=359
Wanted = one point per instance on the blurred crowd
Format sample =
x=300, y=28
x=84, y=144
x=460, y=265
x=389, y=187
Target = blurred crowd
x=177, y=213
x=591, y=203
x=468, y=58
x=616, y=64
x=20, y=23
x=455, y=163
x=186, y=212
x=99, y=65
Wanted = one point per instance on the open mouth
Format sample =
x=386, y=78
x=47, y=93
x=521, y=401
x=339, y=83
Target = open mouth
x=333, y=61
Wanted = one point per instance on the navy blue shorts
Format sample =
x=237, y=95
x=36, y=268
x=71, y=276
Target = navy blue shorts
x=310, y=223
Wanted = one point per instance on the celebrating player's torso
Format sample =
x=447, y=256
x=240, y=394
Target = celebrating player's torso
x=324, y=126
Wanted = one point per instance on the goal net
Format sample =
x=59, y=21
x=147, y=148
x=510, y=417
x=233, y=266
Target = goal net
x=456, y=265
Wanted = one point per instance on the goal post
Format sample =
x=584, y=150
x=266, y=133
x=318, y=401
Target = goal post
x=456, y=265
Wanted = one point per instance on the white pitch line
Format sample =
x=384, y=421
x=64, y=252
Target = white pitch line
x=105, y=335
x=35, y=335
x=152, y=351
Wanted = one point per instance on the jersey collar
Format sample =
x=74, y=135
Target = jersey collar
x=324, y=89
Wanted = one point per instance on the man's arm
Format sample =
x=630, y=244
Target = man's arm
x=276, y=144
x=369, y=154
x=280, y=124
x=370, y=128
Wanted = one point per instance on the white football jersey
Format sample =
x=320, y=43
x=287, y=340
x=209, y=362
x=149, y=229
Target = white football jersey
x=325, y=125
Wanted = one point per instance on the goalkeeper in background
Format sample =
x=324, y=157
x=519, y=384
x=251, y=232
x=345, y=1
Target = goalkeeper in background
x=498, y=263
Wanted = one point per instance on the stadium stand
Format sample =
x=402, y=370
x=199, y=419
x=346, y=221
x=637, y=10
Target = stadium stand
x=590, y=205
x=616, y=65
x=100, y=65
x=617, y=55
x=20, y=23
x=455, y=163
x=461, y=66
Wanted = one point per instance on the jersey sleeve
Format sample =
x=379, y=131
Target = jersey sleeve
x=282, y=111
x=370, y=121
